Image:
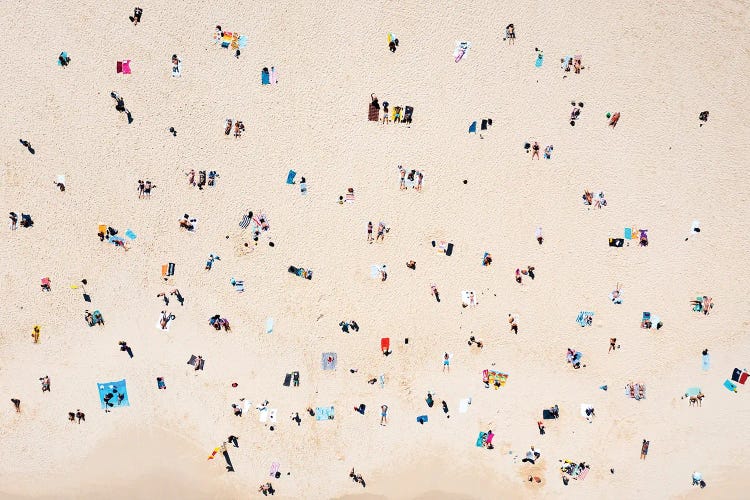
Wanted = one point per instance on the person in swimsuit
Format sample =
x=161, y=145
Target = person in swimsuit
x=386, y=117
x=381, y=232
x=644, y=449
x=446, y=362
x=403, y=177
x=369, y=231
x=612, y=344
x=510, y=34
x=535, y=150
x=136, y=17
x=383, y=414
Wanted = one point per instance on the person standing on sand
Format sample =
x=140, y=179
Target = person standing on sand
x=446, y=362
x=45, y=383
x=535, y=150
x=35, y=334
x=16, y=404
x=369, y=231
x=383, y=415
x=644, y=449
x=612, y=344
x=80, y=416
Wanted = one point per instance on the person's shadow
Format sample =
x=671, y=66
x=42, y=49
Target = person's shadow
x=130, y=117
x=230, y=467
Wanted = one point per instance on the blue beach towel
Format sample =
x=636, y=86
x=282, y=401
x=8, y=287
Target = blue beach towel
x=242, y=41
x=473, y=128
x=480, y=439
x=116, y=389
x=539, y=59
x=265, y=78
x=581, y=315
x=422, y=419
x=290, y=177
x=324, y=413
x=628, y=233
x=730, y=385
x=64, y=56
x=269, y=325
x=130, y=234
x=706, y=362
x=693, y=391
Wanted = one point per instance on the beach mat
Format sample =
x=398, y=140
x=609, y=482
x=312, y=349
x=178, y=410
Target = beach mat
x=324, y=413
x=373, y=112
x=539, y=60
x=480, y=439
x=116, y=389
x=463, y=405
x=326, y=363
x=692, y=391
x=547, y=415
x=730, y=385
x=706, y=362
x=288, y=380
x=290, y=177
x=385, y=344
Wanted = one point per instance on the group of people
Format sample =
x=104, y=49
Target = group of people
x=239, y=127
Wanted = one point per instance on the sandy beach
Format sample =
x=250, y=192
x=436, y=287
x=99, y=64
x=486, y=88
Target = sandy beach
x=662, y=170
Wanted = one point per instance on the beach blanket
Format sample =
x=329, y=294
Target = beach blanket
x=373, y=112
x=328, y=360
x=481, y=438
x=461, y=51
x=494, y=378
x=274, y=469
x=112, y=392
x=473, y=128
x=160, y=383
x=739, y=376
x=130, y=234
x=287, y=380
x=375, y=270
x=585, y=318
x=290, y=177
x=469, y=298
x=324, y=413
x=385, y=344
x=269, y=325
x=706, y=362
x=730, y=385
x=124, y=67
x=169, y=323
x=422, y=419
x=463, y=405
x=263, y=415
x=194, y=359
x=64, y=55
x=245, y=222
x=229, y=39
x=584, y=407
x=692, y=391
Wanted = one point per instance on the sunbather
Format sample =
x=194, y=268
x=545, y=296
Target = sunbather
x=510, y=34
x=615, y=118
x=228, y=127
x=136, y=17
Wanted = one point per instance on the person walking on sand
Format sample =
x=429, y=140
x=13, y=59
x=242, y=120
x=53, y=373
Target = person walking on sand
x=45, y=383
x=402, y=172
x=446, y=362
x=644, y=449
x=80, y=416
x=369, y=231
x=510, y=34
x=384, y=415
x=513, y=325
x=16, y=404
x=535, y=150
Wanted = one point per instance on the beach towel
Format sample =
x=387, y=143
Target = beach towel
x=466, y=298
x=566, y=60
x=239, y=285
x=160, y=383
x=628, y=233
x=60, y=179
x=265, y=77
x=496, y=379
x=736, y=374
x=290, y=177
x=584, y=407
x=194, y=359
x=584, y=318
x=303, y=188
x=328, y=360
x=385, y=344
x=269, y=325
x=124, y=67
x=539, y=59
x=461, y=51
x=169, y=323
x=422, y=419
x=112, y=391
x=706, y=362
x=375, y=270
x=692, y=391
x=274, y=76
x=582, y=473
x=64, y=55
x=177, y=69
x=274, y=469
x=730, y=385
x=743, y=377
x=245, y=222
x=616, y=242
x=463, y=405
x=130, y=234
x=449, y=249
x=324, y=413
x=391, y=38
x=213, y=453
x=287, y=380
x=480, y=439
x=547, y=415
x=263, y=415
x=473, y=128
x=373, y=112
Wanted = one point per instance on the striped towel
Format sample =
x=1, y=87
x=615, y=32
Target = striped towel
x=349, y=197
x=245, y=221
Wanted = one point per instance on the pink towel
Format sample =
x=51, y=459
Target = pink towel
x=274, y=469
x=126, y=67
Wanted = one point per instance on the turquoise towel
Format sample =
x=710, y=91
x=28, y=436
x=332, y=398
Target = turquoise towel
x=693, y=391
x=539, y=60
x=730, y=385
x=290, y=177
x=130, y=234
x=473, y=128
x=706, y=362
x=269, y=325
x=480, y=439
x=628, y=233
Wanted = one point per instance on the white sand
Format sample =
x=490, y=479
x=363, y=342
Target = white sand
x=660, y=65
